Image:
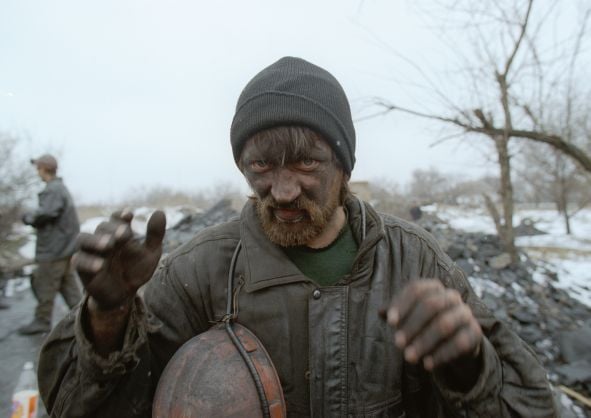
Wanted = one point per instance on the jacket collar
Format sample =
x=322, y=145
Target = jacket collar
x=264, y=263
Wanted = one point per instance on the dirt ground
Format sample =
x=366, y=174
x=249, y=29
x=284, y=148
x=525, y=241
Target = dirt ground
x=16, y=349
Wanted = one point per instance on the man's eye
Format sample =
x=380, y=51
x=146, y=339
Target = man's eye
x=307, y=164
x=259, y=165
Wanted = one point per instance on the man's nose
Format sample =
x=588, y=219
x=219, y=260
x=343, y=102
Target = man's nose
x=286, y=187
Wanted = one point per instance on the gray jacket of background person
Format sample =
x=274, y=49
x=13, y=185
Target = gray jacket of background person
x=56, y=222
x=334, y=355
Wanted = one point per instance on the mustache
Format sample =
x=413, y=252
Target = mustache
x=301, y=202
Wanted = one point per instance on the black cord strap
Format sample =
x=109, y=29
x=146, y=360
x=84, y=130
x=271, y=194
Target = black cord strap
x=229, y=320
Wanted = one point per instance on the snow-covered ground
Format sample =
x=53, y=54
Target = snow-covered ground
x=568, y=255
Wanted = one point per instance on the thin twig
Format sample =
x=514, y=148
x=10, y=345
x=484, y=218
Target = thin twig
x=576, y=395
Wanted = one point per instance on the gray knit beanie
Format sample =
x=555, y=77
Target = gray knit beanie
x=294, y=92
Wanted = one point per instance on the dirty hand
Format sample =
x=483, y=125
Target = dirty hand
x=434, y=325
x=112, y=264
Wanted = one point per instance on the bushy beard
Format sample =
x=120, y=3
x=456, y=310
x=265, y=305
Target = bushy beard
x=291, y=234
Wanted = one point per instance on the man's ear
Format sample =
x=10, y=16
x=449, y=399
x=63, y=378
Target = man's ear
x=346, y=177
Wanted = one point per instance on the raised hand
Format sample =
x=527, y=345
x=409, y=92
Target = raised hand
x=113, y=265
x=434, y=326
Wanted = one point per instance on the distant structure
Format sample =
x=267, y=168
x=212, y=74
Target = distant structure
x=361, y=189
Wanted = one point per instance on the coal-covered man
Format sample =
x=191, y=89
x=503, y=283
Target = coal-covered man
x=362, y=314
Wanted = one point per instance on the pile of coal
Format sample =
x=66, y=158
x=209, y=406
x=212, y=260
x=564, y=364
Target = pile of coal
x=193, y=222
x=524, y=295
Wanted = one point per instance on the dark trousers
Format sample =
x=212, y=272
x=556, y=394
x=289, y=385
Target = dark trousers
x=50, y=278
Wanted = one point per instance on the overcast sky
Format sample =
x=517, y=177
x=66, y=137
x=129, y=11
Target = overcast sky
x=141, y=93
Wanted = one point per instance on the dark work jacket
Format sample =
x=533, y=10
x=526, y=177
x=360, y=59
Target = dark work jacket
x=335, y=357
x=56, y=222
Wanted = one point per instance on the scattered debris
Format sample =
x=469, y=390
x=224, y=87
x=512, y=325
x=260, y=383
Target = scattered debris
x=500, y=262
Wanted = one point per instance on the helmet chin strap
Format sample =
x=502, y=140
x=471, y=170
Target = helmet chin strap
x=228, y=320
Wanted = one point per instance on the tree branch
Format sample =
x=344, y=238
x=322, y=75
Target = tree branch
x=518, y=42
x=556, y=141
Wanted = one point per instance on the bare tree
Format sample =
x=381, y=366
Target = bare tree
x=550, y=176
x=387, y=197
x=430, y=186
x=508, y=69
x=162, y=196
x=16, y=178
